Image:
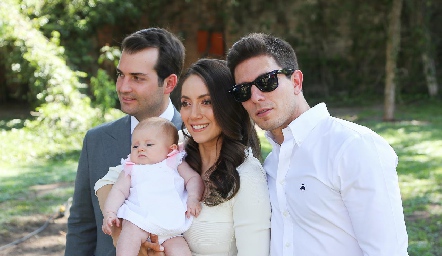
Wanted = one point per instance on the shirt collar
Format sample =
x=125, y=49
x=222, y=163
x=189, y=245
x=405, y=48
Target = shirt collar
x=299, y=128
x=167, y=114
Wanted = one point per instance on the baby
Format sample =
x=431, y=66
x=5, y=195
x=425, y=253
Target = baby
x=155, y=193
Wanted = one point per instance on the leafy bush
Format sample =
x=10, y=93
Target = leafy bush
x=64, y=113
x=103, y=87
x=104, y=91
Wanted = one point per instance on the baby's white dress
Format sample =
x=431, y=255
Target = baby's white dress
x=157, y=200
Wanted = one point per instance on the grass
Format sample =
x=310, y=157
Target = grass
x=417, y=139
x=37, y=176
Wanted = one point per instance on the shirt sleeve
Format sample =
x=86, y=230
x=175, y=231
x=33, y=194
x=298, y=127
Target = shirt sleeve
x=251, y=211
x=109, y=179
x=370, y=191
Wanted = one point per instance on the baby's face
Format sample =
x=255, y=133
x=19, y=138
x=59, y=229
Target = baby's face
x=149, y=146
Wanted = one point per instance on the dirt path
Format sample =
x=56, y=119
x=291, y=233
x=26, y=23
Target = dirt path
x=50, y=242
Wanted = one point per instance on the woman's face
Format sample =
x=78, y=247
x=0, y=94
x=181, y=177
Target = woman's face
x=197, y=112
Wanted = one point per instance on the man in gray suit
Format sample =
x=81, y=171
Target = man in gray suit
x=151, y=62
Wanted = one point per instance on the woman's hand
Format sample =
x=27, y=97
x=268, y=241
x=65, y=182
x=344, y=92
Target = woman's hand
x=153, y=247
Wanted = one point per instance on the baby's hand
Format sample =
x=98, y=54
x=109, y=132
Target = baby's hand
x=110, y=218
x=193, y=207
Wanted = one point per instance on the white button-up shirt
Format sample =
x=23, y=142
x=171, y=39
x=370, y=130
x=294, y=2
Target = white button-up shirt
x=334, y=190
x=167, y=114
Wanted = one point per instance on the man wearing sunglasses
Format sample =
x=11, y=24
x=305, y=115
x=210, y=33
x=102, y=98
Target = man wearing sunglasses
x=333, y=184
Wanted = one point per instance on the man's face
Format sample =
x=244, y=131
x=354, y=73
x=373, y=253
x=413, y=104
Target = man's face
x=273, y=110
x=137, y=85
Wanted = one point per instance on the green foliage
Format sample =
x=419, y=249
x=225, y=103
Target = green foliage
x=104, y=91
x=334, y=66
x=64, y=113
x=78, y=21
x=420, y=34
x=109, y=54
x=49, y=77
x=341, y=45
x=103, y=87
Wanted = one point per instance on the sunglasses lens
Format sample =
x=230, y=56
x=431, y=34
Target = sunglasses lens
x=267, y=83
x=241, y=93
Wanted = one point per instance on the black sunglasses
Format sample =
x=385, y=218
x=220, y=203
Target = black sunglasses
x=265, y=83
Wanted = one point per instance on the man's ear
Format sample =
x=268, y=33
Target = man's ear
x=170, y=83
x=297, y=78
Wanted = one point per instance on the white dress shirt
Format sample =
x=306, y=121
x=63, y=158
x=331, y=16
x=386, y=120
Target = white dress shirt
x=167, y=114
x=334, y=190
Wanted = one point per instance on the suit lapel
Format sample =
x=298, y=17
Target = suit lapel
x=176, y=120
x=120, y=137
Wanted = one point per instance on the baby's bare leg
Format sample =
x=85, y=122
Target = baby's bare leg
x=176, y=246
x=130, y=239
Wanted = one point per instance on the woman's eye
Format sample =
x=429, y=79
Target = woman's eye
x=207, y=102
x=184, y=104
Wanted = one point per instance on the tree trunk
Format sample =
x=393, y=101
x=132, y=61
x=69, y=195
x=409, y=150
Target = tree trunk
x=426, y=48
x=430, y=74
x=393, y=41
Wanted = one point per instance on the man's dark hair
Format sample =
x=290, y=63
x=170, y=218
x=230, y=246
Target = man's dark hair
x=171, y=50
x=258, y=44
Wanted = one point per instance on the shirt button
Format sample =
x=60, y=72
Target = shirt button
x=287, y=244
x=281, y=182
x=286, y=213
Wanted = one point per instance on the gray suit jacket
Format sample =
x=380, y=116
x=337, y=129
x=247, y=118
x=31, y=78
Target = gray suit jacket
x=103, y=147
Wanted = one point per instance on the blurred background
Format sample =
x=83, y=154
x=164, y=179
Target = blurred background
x=341, y=44
x=377, y=63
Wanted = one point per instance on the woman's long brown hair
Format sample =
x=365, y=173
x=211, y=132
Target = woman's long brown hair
x=237, y=129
